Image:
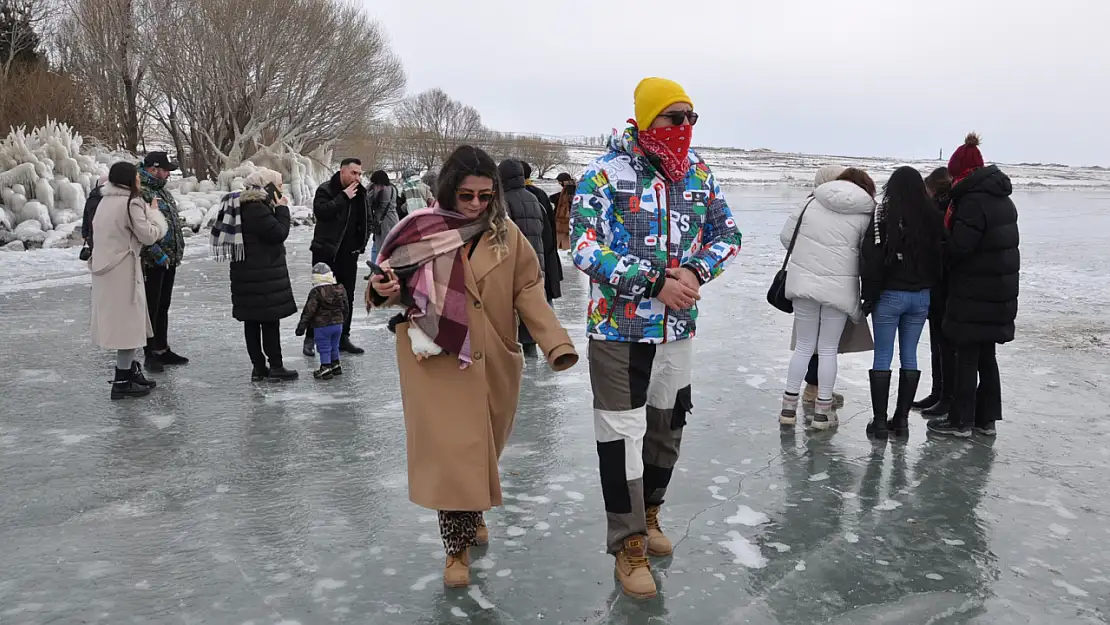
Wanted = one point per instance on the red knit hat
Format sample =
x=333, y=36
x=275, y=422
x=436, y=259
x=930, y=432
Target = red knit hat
x=966, y=158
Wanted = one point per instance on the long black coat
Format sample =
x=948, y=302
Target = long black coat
x=260, y=288
x=524, y=209
x=340, y=221
x=553, y=267
x=984, y=260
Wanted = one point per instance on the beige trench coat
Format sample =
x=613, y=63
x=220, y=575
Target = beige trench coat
x=457, y=421
x=120, y=230
x=855, y=338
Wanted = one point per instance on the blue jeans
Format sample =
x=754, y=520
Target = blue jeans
x=904, y=313
x=327, y=343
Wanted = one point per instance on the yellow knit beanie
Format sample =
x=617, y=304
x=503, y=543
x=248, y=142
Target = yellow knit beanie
x=654, y=95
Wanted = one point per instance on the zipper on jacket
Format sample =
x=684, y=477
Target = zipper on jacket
x=343, y=233
x=666, y=246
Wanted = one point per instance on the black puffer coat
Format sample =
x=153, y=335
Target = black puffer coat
x=524, y=209
x=552, y=266
x=984, y=260
x=260, y=288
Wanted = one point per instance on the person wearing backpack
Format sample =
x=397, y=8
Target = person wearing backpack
x=91, y=203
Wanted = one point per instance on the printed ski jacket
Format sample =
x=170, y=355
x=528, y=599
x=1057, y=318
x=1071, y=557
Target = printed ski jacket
x=630, y=225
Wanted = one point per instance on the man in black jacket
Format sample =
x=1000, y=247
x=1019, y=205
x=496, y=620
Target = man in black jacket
x=552, y=266
x=528, y=215
x=985, y=266
x=342, y=231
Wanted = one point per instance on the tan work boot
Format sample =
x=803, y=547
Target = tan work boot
x=809, y=400
x=456, y=573
x=658, y=544
x=481, y=537
x=634, y=571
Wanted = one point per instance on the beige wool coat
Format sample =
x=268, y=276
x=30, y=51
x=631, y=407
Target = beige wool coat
x=457, y=421
x=121, y=228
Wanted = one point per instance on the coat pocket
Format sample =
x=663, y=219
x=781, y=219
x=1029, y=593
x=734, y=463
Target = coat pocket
x=682, y=406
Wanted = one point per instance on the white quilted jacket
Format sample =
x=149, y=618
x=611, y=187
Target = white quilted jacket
x=825, y=263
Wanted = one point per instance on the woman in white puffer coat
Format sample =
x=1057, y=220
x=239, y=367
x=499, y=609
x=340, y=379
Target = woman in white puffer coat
x=823, y=283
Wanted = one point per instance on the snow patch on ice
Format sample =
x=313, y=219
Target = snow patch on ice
x=819, y=477
x=575, y=496
x=476, y=594
x=716, y=492
x=953, y=542
x=755, y=381
x=486, y=563
x=515, y=531
x=542, y=526
x=1074, y=591
x=800, y=566
x=746, y=516
x=423, y=582
x=720, y=479
x=780, y=547
x=744, y=552
x=934, y=576
x=888, y=505
x=504, y=572
x=851, y=537
x=457, y=611
x=1058, y=529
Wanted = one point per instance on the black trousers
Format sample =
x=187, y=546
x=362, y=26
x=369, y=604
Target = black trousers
x=943, y=356
x=263, y=342
x=811, y=373
x=345, y=269
x=977, y=397
x=159, y=291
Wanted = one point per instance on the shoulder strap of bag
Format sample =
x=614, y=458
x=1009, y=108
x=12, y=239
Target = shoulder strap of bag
x=794, y=238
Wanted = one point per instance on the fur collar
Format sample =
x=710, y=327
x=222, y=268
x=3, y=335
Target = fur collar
x=254, y=195
x=110, y=189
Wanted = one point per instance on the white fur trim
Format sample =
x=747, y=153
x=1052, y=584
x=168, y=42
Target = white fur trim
x=422, y=344
x=159, y=220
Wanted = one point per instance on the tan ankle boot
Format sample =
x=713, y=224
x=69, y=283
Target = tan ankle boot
x=481, y=537
x=456, y=573
x=658, y=544
x=634, y=571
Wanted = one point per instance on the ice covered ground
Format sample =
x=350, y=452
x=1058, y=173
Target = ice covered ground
x=221, y=502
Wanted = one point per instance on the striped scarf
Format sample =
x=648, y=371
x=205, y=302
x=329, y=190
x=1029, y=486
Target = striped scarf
x=426, y=249
x=227, y=232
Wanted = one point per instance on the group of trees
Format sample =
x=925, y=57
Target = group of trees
x=222, y=79
x=422, y=130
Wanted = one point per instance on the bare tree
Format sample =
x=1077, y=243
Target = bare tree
x=25, y=26
x=434, y=125
x=105, y=44
x=542, y=154
x=295, y=73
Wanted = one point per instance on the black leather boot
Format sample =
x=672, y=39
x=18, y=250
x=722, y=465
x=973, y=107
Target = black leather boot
x=880, y=396
x=907, y=387
x=124, y=386
x=138, y=378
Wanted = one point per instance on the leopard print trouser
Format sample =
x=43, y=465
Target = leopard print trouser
x=458, y=529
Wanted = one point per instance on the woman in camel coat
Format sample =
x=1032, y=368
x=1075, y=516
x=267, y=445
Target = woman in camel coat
x=122, y=226
x=460, y=405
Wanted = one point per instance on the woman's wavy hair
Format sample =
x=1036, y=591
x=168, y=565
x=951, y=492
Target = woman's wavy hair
x=468, y=160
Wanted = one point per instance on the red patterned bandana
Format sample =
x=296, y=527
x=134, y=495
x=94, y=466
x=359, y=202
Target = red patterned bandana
x=671, y=145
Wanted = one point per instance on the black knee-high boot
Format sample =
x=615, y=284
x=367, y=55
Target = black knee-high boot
x=907, y=386
x=880, y=396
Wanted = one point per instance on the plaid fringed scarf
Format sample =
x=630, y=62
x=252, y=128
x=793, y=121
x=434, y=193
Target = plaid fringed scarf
x=426, y=248
x=227, y=232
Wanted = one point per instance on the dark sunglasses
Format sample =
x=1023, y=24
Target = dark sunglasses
x=678, y=117
x=485, y=197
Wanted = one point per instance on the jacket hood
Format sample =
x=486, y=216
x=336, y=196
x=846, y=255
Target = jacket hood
x=111, y=189
x=512, y=174
x=844, y=197
x=254, y=195
x=988, y=179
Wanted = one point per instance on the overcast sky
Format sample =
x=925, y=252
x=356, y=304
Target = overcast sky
x=894, y=78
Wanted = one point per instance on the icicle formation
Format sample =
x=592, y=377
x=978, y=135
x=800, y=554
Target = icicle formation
x=44, y=179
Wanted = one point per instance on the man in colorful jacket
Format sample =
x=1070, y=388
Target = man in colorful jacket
x=161, y=260
x=651, y=228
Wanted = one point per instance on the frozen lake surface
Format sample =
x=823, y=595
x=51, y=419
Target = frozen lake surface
x=217, y=501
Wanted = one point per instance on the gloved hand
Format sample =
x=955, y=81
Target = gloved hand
x=868, y=308
x=301, y=330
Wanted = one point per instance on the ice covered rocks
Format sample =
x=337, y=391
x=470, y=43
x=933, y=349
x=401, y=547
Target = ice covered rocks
x=14, y=246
